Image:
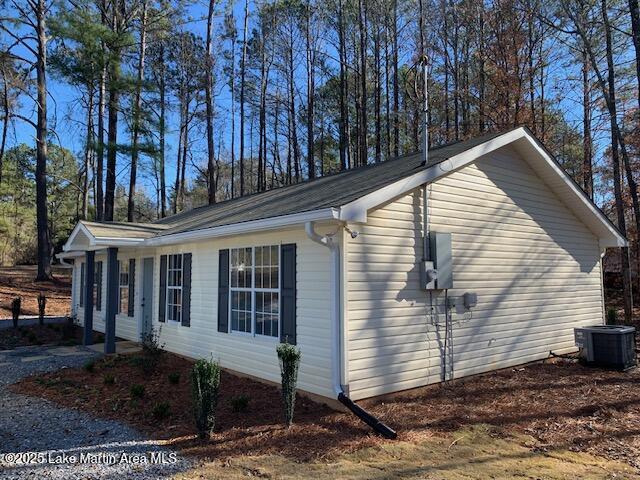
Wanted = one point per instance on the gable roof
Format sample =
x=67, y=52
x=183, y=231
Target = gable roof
x=331, y=191
x=349, y=195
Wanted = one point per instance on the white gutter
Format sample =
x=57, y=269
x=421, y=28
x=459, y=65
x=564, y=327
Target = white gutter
x=244, y=227
x=336, y=317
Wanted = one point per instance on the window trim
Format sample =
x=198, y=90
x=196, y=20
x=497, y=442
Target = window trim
x=173, y=287
x=253, y=290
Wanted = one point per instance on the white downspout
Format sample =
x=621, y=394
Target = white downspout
x=336, y=318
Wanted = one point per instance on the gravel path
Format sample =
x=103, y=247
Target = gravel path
x=41, y=440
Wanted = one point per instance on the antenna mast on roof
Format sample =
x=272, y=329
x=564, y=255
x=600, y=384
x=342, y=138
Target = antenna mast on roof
x=425, y=112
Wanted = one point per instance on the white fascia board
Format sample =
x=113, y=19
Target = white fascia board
x=356, y=211
x=272, y=223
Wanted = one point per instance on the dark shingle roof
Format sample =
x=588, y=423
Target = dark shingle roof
x=330, y=191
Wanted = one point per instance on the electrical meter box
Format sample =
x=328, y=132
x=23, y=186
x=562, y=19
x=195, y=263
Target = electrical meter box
x=438, y=270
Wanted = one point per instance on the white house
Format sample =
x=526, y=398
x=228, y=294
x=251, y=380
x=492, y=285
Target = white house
x=335, y=265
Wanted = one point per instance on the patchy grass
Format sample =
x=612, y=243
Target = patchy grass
x=19, y=282
x=553, y=410
x=473, y=452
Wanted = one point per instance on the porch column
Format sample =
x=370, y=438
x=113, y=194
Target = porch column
x=87, y=338
x=111, y=305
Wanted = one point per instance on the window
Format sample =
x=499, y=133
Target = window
x=174, y=288
x=255, y=290
x=123, y=287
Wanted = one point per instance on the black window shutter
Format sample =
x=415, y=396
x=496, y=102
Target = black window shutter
x=132, y=287
x=163, y=289
x=186, y=290
x=223, y=291
x=288, y=293
x=82, y=284
x=99, y=286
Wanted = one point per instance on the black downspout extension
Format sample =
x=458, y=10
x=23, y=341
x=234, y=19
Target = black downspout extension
x=367, y=418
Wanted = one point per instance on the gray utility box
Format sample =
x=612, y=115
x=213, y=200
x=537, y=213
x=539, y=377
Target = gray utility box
x=440, y=261
x=611, y=346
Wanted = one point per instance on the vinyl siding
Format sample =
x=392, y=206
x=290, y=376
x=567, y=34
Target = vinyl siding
x=244, y=353
x=534, y=266
x=126, y=327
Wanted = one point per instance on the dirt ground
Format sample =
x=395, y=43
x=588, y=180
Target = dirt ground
x=543, y=410
x=19, y=282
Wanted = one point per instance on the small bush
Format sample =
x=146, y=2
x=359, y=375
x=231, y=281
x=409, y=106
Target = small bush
x=42, y=306
x=23, y=331
x=161, y=410
x=151, y=345
x=239, y=403
x=174, y=378
x=205, y=383
x=90, y=366
x=289, y=357
x=32, y=337
x=109, y=379
x=16, y=306
x=612, y=316
x=137, y=390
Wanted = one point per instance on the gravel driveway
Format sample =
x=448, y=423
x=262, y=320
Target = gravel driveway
x=41, y=440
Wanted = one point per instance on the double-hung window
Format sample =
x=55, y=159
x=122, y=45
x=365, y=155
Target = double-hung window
x=123, y=287
x=255, y=290
x=174, y=288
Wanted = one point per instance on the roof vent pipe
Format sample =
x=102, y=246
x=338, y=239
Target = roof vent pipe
x=425, y=112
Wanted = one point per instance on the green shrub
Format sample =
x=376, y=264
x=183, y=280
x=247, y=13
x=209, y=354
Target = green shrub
x=90, y=366
x=174, y=378
x=289, y=357
x=137, y=390
x=109, y=379
x=42, y=307
x=612, y=316
x=146, y=363
x=151, y=345
x=16, y=306
x=161, y=410
x=205, y=383
x=239, y=403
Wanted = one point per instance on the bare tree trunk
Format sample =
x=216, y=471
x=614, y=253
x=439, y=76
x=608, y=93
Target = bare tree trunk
x=587, y=147
x=615, y=141
x=363, y=130
x=232, y=75
x=481, y=74
x=137, y=114
x=88, y=151
x=242, y=92
x=378, y=96
x=311, y=87
x=292, y=109
x=100, y=147
x=162, y=127
x=396, y=87
x=5, y=118
x=344, y=112
x=42, y=219
x=635, y=35
x=112, y=134
x=211, y=170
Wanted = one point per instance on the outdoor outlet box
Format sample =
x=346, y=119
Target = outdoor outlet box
x=470, y=300
x=441, y=256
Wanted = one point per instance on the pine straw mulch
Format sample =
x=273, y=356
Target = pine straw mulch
x=20, y=282
x=560, y=403
x=48, y=334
